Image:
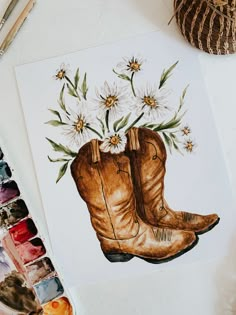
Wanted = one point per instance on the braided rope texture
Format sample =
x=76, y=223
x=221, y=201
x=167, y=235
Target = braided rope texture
x=208, y=25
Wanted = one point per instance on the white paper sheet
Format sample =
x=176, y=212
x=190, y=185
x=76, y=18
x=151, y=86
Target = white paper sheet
x=194, y=182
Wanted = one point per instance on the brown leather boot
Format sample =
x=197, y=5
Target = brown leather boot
x=147, y=155
x=104, y=182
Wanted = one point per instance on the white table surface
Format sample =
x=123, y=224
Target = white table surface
x=58, y=27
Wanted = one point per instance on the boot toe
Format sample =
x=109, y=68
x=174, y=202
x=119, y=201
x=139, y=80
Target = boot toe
x=209, y=222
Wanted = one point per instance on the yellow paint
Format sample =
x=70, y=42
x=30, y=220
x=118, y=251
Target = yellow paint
x=58, y=307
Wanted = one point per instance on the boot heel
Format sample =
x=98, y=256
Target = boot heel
x=118, y=257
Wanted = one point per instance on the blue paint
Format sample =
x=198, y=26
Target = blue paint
x=5, y=172
x=49, y=289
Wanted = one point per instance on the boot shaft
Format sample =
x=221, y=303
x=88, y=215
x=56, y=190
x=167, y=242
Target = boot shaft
x=148, y=159
x=104, y=182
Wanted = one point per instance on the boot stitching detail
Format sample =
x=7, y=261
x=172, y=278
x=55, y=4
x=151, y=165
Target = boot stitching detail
x=105, y=201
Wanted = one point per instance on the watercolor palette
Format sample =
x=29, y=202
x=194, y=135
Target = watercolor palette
x=29, y=282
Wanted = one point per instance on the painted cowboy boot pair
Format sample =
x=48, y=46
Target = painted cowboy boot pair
x=121, y=202
x=147, y=154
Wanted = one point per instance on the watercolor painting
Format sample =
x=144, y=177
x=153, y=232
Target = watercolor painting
x=117, y=151
x=128, y=159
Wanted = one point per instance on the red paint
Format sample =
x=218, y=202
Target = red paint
x=31, y=250
x=23, y=231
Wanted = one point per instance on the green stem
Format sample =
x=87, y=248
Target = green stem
x=75, y=90
x=107, y=120
x=132, y=84
x=134, y=122
x=95, y=131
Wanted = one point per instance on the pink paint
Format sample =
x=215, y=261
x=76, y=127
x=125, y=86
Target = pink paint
x=31, y=250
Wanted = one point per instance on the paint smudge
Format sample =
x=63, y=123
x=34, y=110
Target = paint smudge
x=40, y=270
x=23, y=231
x=10, y=249
x=5, y=267
x=8, y=191
x=5, y=172
x=15, y=294
x=13, y=213
x=49, y=289
x=58, y=307
x=31, y=250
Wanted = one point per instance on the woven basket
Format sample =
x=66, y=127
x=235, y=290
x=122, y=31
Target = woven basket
x=209, y=25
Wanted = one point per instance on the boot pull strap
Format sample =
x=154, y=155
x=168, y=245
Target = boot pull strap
x=134, y=144
x=95, y=151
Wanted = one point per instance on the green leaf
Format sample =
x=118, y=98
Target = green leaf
x=102, y=125
x=55, y=112
x=71, y=91
x=62, y=171
x=76, y=78
x=166, y=75
x=55, y=123
x=150, y=126
x=58, y=160
x=182, y=97
x=107, y=120
x=116, y=123
x=84, y=87
x=122, y=76
x=124, y=122
x=61, y=148
x=61, y=100
x=167, y=140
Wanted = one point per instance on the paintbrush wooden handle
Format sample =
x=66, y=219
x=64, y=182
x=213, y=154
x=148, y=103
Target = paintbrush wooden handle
x=15, y=28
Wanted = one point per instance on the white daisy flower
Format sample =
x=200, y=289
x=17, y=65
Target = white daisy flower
x=114, y=143
x=62, y=72
x=131, y=65
x=80, y=126
x=112, y=98
x=152, y=102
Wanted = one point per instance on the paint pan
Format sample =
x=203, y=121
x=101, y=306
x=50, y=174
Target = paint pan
x=31, y=250
x=6, y=266
x=1, y=154
x=13, y=213
x=61, y=306
x=27, y=279
x=23, y=231
x=8, y=191
x=17, y=296
x=5, y=171
x=49, y=289
x=39, y=270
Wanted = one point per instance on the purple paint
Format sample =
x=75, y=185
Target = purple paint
x=8, y=191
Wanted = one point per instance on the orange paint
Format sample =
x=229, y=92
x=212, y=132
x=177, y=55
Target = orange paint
x=58, y=307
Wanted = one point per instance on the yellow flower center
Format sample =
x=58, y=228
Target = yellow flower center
x=110, y=101
x=189, y=146
x=61, y=74
x=114, y=140
x=150, y=101
x=186, y=131
x=134, y=66
x=79, y=125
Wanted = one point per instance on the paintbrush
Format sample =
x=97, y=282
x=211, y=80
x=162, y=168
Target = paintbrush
x=8, y=12
x=14, y=30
